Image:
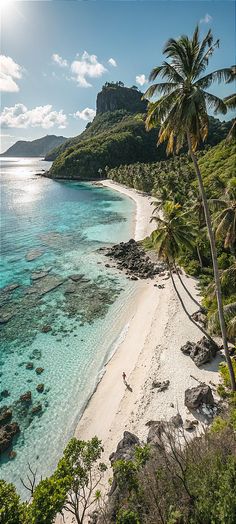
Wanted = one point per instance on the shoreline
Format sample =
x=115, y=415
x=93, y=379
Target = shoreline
x=149, y=351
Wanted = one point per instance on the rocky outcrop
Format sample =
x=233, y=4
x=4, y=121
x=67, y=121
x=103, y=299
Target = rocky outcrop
x=114, y=97
x=125, y=448
x=202, y=352
x=7, y=433
x=196, y=397
x=129, y=256
x=5, y=415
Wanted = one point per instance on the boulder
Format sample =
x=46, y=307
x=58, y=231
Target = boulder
x=155, y=432
x=10, y=287
x=125, y=448
x=189, y=425
x=76, y=277
x=195, y=397
x=201, y=352
x=36, y=275
x=7, y=434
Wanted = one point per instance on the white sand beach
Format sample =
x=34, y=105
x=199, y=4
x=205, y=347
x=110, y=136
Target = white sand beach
x=158, y=327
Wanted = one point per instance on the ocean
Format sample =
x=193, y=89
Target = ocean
x=61, y=320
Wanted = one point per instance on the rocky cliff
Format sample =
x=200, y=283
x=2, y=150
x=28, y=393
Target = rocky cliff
x=115, y=96
x=35, y=148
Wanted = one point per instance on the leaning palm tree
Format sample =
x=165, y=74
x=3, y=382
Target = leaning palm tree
x=181, y=113
x=224, y=220
x=171, y=235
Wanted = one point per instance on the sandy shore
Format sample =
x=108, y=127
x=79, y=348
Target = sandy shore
x=150, y=351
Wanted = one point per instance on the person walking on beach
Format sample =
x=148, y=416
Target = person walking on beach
x=124, y=376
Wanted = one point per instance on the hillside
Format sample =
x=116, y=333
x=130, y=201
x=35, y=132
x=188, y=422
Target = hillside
x=116, y=136
x=217, y=166
x=38, y=147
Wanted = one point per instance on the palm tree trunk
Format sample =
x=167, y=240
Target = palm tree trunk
x=215, y=265
x=184, y=308
x=186, y=289
x=199, y=257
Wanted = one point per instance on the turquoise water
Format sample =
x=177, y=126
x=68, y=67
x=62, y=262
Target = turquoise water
x=66, y=223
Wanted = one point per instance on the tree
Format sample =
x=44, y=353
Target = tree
x=82, y=473
x=181, y=113
x=225, y=219
x=12, y=511
x=230, y=102
x=172, y=234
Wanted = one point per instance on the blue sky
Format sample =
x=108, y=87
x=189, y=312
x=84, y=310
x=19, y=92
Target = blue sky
x=55, y=55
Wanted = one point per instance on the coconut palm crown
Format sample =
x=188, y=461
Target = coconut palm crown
x=183, y=105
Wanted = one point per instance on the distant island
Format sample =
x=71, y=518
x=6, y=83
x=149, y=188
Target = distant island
x=39, y=147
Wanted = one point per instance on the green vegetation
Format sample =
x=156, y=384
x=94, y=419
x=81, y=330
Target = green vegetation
x=38, y=147
x=116, y=136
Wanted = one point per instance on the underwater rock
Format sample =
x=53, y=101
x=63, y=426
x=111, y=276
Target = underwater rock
x=76, y=277
x=5, y=415
x=38, y=274
x=71, y=288
x=36, y=409
x=33, y=254
x=26, y=397
x=5, y=317
x=44, y=285
x=7, y=434
x=46, y=328
x=40, y=388
x=12, y=454
x=39, y=370
x=10, y=287
x=5, y=393
x=29, y=365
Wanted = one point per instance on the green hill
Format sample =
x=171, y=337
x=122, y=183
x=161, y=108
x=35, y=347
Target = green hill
x=116, y=136
x=38, y=147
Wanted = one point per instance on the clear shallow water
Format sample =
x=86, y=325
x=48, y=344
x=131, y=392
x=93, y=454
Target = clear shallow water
x=66, y=222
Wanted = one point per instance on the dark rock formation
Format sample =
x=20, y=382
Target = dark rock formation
x=5, y=393
x=5, y=415
x=39, y=370
x=40, y=388
x=7, y=434
x=114, y=97
x=33, y=254
x=196, y=397
x=125, y=448
x=29, y=365
x=201, y=352
x=36, y=409
x=46, y=328
x=133, y=259
x=26, y=397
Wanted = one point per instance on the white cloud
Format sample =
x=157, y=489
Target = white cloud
x=87, y=66
x=19, y=116
x=87, y=114
x=141, y=79
x=59, y=60
x=207, y=18
x=9, y=71
x=112, y=62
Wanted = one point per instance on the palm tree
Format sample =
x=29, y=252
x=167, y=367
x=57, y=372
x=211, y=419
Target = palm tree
x=171, y=235
x=181, y=113
x=225, y=219
x=230, y=102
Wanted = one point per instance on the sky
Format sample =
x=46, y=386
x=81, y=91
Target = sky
x=57, y=54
